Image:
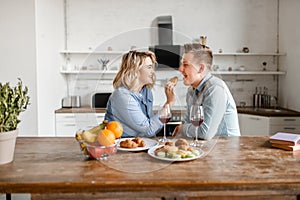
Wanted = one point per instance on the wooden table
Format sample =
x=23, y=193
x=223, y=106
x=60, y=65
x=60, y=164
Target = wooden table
x=55, y=168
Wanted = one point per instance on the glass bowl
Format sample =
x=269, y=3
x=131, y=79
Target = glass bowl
x=98, y=152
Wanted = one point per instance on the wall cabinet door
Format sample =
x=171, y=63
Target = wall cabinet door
x=253, y=125
x=66, y=124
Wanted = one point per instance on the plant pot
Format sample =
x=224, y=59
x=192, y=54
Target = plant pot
x=7, y=146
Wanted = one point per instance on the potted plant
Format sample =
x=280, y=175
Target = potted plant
x=13, y=101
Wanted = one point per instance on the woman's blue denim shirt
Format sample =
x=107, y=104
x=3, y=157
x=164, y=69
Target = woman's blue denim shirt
x=134, y=111
x=220, y=113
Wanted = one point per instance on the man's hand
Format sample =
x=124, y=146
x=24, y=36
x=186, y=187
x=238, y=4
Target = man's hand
x=178, y=131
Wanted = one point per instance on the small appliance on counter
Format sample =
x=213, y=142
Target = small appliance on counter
x=99, y=100
x=71, y=102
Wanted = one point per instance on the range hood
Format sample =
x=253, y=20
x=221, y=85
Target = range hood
x=165, y=30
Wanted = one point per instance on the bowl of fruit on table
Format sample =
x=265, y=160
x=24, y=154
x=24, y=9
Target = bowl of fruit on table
x=99, y=142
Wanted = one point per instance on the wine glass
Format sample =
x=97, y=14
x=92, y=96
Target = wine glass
x=165, y=116
x=196, y=118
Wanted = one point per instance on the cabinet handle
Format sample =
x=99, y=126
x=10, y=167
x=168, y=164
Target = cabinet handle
x=289, y=120
x=70, y=125
x=255, y=118
x=69, y=116
x=289, y=128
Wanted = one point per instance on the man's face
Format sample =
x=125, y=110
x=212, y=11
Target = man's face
x=190, y=70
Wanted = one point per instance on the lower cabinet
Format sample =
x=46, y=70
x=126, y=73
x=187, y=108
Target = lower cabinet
x=66, y=124
x=256, y=125
x=253, y=125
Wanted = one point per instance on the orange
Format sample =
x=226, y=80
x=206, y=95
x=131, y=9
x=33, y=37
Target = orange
x=116, y=127
x=106, y=137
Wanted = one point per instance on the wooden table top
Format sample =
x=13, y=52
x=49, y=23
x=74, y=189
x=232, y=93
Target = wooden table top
x=56, y=165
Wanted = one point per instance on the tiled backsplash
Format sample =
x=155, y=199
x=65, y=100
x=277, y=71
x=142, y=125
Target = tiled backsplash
x=242, y=87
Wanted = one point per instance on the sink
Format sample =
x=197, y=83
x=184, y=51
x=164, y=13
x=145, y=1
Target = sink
x=271, y=110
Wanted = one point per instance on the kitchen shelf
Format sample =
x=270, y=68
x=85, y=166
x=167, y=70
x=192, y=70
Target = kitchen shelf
x=249, y=54
x=89, y=72
x=249, y=72
x=92, y=52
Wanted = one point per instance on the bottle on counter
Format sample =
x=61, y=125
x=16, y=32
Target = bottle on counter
x=266, y=98
x=255, y=98
x=259, y=98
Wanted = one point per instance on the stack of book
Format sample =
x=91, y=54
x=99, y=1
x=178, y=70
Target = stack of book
x=286, y=141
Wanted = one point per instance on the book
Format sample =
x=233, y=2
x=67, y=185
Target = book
x=287, y=147
x=290, y=139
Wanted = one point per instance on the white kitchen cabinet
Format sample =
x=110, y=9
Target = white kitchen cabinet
x=265, y=126
x=253, y=125
x=66, y=124
x=284, y=124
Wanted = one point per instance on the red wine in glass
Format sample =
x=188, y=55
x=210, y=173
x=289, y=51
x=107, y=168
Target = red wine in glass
x=164, y=120
x=196, y=118
x=196, y=121
x=165, y=116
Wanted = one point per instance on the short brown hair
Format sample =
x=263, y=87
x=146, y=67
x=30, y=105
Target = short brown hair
x=131, y=64
x=202, y=53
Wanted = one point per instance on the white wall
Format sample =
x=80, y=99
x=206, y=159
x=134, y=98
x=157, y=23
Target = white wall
x=18, y=55
x=51, y=85
x=228, y=24
x=290, y=43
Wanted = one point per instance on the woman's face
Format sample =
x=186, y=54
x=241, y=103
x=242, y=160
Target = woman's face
x=146, y=72
x=190, y=70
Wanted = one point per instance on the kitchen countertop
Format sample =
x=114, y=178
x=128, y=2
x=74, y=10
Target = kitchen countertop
x=94, y=110
x=245, y=110
x=278, y=112
x=53, y=168
x=81, y=110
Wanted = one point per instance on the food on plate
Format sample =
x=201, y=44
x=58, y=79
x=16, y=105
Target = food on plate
x=133, y=143
x=170, y=143
x=179, y=150
x=174, y=80
x=181, y=141
x=128, y=143
x=116, y=127
x=140, y=142
x=106, y=137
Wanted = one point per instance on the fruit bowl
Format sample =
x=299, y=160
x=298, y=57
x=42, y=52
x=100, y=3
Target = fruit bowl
x=99, y=152
x=99, y=142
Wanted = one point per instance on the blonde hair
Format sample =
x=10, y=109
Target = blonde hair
x=132, y=62
x=201, y=53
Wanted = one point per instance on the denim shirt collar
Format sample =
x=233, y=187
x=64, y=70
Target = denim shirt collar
x=143, y=96
x=200, y=87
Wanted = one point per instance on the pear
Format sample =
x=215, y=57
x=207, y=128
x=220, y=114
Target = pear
x=89, y=136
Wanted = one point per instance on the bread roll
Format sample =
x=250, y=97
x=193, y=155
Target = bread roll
x=174, y=80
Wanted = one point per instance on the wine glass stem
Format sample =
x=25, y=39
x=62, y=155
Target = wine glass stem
x=165, y=131
x=196, y=134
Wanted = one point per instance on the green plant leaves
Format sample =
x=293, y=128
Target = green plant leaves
x=13, y=101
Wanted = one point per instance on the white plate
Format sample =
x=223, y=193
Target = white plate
x=149, y=143
x=152, y=154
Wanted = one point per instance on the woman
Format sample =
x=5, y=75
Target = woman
x=132, y=101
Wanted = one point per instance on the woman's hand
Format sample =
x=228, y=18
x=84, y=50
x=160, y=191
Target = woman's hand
x=170, y=93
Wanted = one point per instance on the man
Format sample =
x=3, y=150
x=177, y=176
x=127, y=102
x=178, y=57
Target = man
x=220, y=114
